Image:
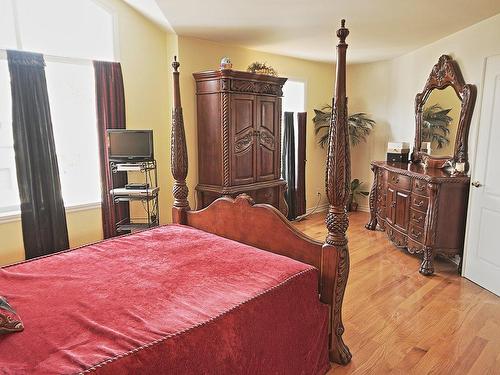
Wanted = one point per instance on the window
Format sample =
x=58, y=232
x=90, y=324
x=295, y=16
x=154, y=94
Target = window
x=72, y=106
x=75, y=28
x=70, y=34
x=7, y=25
x=294, y=96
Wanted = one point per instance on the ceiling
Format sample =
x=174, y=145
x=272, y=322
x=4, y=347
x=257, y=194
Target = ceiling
x=380, y=29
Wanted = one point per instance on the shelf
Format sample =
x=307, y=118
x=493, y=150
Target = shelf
x=148, y=197
x=134, y=227
x=123, y=192
x=130, y=198
x=142, y=166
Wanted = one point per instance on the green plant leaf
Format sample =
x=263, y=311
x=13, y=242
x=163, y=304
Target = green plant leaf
x=435, y=125
x=359, y=125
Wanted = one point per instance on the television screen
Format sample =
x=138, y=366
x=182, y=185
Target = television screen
x=130, y=144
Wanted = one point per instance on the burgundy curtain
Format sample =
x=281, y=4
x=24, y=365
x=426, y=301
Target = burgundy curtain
x=301, y=163
x=42, y=209
x=110, y=104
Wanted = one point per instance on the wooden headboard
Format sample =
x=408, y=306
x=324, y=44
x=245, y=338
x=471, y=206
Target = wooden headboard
x=264, y=227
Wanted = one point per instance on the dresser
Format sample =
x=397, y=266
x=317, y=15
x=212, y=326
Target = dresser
x=423, y=210
x=239, y=137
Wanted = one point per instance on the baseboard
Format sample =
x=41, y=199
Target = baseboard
x=324, y=207
x=320, y=208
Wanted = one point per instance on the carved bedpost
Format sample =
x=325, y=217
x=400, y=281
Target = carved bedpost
x=178, y=154
x=338, y=175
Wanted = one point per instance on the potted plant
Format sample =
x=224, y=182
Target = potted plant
x=352, y=204
x=360, y=125
x=435, y=125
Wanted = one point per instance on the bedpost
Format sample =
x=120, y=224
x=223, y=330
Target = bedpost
x=178, y=154
x=335, y=256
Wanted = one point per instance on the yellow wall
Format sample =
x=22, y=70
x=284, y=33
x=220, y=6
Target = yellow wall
x=198, y=55
x=143, y=55
x=366, y=85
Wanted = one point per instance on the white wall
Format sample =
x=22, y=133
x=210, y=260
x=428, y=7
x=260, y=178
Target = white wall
x=387, y=89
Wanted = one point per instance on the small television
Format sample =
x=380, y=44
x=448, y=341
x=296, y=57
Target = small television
x=131, y=145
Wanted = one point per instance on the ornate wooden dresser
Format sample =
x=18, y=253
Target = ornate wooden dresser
x=421, y=209
x=239, y=136
x=423, y=205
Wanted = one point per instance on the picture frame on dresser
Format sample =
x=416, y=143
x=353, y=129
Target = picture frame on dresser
x=422, y=205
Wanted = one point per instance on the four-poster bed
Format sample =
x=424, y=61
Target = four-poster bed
x=232, y=288
x=251, y=224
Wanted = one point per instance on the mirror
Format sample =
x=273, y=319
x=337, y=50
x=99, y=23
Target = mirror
x=443, y=111
x=440, y=116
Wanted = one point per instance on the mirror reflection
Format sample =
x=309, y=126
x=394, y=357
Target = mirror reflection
x=440, y=116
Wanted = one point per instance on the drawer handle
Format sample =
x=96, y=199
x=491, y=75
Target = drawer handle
x=395, y=179
x=393, y=204
x=415, y=234
x=419, y=204
x=419, y=187
x=418, y=219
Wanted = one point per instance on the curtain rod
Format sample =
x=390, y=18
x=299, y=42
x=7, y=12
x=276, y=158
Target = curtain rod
x=59, y=59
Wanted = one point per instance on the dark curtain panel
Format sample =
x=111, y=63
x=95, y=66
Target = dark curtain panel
x=42, y=208
x=288, y=165
x=301, y=163
x=110, y=104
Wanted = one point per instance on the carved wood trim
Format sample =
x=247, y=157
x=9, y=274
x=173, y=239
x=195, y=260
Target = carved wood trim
x=458, y=179
x=373, y=200
x=432, y=215
x=245, y=141
x=266, y=139
x=337, y=181
x=225, y=138
x=246, y=86
x=446, y=72
x=178, y=152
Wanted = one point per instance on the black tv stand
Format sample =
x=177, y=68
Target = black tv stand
x=143, y=217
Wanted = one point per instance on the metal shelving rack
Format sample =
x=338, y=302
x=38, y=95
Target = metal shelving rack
x=149, y=200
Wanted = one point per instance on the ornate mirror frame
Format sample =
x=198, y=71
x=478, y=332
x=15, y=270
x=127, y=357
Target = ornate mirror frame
x=447, y=73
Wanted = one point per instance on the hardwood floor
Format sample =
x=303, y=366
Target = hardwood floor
x=400, y=322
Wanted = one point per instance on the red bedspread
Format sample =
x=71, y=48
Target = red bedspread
x=171, y=300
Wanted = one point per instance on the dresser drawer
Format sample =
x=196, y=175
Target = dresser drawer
x=399, y=239
x=416, y=233
x=414, y=247
x=417, y=218
x=399, y=181
x=419, y=203
x=420, y=187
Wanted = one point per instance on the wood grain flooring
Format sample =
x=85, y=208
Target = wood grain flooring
x=400, y=322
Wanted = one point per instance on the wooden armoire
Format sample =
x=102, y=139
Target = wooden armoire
x=239, y=136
